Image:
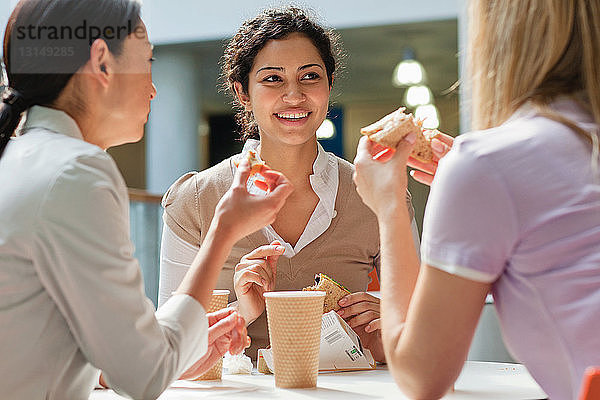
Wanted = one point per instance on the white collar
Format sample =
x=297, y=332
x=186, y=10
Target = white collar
x=324, y=181
x=51, y=119
x=319, y=166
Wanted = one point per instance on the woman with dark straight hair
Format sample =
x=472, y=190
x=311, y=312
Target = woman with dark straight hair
x=71, y=295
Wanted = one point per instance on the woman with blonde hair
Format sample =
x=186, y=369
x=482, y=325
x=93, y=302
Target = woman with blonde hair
x=514, y=209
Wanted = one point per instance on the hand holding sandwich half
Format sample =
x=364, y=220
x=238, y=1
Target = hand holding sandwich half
x=360, y=310
x=240, y=213
x=418, y=147
x=425, y=171
x=382, y=183
x=237, y=214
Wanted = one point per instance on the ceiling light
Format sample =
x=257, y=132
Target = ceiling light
x=326, y=130
x=428, y=113
x=408, y=71
x=417, y=95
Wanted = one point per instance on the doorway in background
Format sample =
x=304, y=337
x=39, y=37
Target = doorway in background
x=223, y=139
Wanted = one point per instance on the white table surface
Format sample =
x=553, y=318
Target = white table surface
x=478, y=380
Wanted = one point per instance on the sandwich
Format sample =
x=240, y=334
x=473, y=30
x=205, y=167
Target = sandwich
x=394, y=127
x=256, y=167
x=334, y=291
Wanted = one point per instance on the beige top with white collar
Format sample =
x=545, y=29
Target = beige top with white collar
x=347, y=251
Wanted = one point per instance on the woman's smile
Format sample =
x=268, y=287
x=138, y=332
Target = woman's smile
x=293, y=118
x=288, y=90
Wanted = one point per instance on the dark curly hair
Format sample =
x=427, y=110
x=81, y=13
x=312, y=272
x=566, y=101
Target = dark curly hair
x=254, y=34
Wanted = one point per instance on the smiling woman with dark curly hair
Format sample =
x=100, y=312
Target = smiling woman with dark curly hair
x=279, y=68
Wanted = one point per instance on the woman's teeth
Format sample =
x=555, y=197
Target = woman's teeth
x=293, y=116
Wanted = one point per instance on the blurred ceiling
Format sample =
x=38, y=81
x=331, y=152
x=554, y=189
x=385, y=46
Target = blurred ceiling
x=371, y=53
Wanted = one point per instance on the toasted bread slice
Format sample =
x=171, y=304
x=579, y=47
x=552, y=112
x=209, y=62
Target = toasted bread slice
x=394, y=127
x=334, y=291
x=422, y=149
x=256, y=165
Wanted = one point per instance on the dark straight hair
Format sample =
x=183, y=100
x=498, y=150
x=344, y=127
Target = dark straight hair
x=47, y=41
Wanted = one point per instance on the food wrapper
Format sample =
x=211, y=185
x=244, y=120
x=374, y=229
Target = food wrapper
x=340, y=349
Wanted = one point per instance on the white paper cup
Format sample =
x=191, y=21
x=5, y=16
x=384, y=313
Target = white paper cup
x=218, y=301
x=294, y=320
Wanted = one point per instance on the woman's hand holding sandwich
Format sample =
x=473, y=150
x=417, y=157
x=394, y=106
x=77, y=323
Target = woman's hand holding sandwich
x=382, y=186
x=231, y=212
x=424, y=172
x=254, y=275
x=382, y=183
x=362, y=312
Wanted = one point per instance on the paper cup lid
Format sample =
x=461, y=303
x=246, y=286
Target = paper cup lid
x=298, y=293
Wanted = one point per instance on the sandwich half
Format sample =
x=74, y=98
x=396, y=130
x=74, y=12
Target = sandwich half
x=394, y=127
x=256, y=167
x=334, y=291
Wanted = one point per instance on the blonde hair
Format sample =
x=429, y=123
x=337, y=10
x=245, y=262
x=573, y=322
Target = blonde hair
x=533, y=51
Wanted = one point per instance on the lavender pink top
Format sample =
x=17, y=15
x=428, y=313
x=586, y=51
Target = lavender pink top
x=519, y=206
